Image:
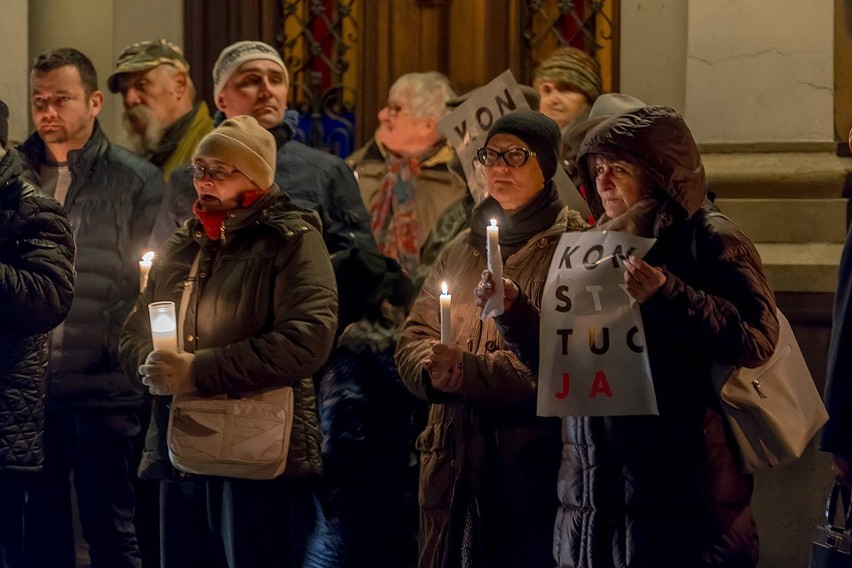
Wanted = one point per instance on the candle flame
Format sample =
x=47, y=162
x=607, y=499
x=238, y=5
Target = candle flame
x=493, y=222
x=148, y=257
x=444, y=288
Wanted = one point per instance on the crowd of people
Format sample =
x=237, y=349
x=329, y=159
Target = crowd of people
x=292, y=267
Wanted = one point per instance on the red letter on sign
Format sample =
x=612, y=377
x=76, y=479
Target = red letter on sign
x=565, y=383
x=600, y=386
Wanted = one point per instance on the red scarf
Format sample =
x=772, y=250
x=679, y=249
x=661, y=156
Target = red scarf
x=214, y=221
x=393, y=213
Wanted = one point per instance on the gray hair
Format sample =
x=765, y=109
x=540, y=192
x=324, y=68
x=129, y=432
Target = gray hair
x=427, y=93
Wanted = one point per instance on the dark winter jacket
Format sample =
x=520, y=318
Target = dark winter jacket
x=112, y=201
x=484, y=443
x=36, y=289
x=837, y=433
x=651, y=491
x=368, y=420
x=322, y=182
x=262, y=313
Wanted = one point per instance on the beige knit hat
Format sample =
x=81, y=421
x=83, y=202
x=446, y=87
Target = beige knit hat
x=238, y=53
x=246, y=145
x=574, y=67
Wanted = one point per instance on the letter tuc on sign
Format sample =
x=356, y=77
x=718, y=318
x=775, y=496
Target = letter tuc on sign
x=593, y=361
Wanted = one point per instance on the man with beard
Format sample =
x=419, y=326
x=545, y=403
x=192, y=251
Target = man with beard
x=92, y=419
x=163, y=121
x=249, y=77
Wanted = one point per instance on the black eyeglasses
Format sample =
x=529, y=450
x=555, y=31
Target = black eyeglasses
x=513, y=157
x=215, y=173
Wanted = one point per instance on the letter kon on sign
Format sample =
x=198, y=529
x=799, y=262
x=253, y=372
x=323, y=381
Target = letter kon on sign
x=600, y=385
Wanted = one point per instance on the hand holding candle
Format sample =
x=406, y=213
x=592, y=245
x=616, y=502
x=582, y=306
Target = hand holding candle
x=144, y=269
x=446, y=316
x=163, y=326
x=494, y=306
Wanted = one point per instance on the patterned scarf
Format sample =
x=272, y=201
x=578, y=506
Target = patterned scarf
x=393, y=217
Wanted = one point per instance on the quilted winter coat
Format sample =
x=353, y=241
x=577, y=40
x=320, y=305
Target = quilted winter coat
x=653, y=491
x=262, y=313
x=36, y=289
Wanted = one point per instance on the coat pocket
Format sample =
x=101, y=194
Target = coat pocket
x=436, y=466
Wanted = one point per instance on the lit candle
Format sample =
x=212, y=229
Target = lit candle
x=163, y=325
x=144, y=269
x=492, y=249
x=494, y=306
x=446, y=315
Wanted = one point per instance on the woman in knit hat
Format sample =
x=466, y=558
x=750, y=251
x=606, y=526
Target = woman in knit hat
x=488, y=464
x=568, y=82
x=261, y=313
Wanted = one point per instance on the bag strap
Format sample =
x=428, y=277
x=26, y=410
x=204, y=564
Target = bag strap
x=839, y=493
x=188, y=285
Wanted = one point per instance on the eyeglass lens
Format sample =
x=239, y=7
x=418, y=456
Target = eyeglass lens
x=513, y=157
x=198, y=171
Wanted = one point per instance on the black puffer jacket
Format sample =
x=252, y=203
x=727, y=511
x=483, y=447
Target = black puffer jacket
x=112, y=202
x=263, y=313
x=652, y=491
x=36, y=289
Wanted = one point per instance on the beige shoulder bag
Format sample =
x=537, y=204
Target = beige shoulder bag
x=244, y=436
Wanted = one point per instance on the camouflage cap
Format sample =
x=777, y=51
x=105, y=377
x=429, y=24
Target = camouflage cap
x=146, y=55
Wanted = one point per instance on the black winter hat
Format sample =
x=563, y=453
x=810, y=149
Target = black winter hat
x=540, y=133
x=4, y=124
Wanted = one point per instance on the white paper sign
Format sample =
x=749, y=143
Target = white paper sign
x=467, y=126
x=593, y=360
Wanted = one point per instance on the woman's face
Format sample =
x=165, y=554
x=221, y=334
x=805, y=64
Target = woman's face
x=512, y=187
x=218, y=184
x=621, y=184
x=561, y=102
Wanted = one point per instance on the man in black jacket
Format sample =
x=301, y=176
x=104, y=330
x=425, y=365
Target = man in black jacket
x=36, y=289
x=249, y=77
x=111, y=197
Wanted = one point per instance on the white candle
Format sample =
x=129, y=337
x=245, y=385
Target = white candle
x=446, y=316
x=144, y=269
x=492, y=248
x=163, y=325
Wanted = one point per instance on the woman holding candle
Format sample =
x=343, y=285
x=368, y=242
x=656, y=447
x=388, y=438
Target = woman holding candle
x=649, y=491
x=488, y=464
x=261, y=313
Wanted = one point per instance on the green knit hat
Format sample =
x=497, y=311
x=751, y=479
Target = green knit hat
x=571, y=66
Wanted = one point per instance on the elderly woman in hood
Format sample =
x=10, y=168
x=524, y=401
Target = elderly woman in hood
x=650, y=491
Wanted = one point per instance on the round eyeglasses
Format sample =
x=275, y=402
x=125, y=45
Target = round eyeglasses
x=513, y=157
x=197, y=171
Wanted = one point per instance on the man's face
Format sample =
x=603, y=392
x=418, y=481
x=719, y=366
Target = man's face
x=62, y=111
x=158, y=90
x=257, y=88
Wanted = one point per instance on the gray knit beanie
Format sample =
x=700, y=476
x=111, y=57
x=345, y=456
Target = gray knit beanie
x=571, y=66
x=540, y=133
x=238, y=53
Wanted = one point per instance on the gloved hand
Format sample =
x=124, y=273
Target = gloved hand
x=168, y=373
